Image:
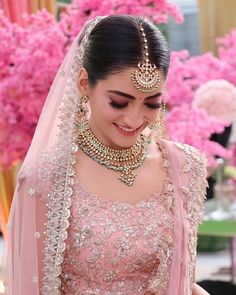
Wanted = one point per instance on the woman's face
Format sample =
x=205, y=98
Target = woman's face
x=119, y=112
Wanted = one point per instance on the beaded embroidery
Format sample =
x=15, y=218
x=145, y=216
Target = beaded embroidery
x=62, y=178
x=195, y=190
x=58, y=217
x=121, y=246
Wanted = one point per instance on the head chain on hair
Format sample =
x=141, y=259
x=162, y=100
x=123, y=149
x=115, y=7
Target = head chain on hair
x=146, y=78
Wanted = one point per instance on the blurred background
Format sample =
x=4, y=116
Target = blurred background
x=200, y=95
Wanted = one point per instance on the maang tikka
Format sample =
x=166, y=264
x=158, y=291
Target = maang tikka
x=146, y=78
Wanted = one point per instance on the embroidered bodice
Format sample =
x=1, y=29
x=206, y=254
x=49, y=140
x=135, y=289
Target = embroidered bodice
x=83, y=244
x=116, y=248
x=112, y=247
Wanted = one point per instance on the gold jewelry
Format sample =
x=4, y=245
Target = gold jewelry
x=123, y=161
x=146, y=78
x=83, y=109
x=154, y=127
x=164, y=133
x=157, y=128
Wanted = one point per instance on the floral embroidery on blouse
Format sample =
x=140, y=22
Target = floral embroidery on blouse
x=115, y=248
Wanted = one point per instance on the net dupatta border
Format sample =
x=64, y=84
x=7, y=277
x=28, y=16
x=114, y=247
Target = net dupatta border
x=194, y=190
x=63, y=161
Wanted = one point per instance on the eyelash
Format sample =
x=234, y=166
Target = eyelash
x=118, y=105
x=154, y=106
x=121, y=106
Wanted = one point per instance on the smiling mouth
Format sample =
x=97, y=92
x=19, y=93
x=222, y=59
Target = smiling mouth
x=128, y=131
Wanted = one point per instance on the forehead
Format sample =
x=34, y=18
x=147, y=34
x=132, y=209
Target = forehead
x=122, y=81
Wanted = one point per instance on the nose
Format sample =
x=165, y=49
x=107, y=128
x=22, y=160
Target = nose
x=133, y=118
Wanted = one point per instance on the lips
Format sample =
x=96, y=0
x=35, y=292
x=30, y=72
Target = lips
x=127, y=131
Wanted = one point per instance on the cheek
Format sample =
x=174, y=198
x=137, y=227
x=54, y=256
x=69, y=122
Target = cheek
x=152, y=115
x=109, y=114
x=102, y=111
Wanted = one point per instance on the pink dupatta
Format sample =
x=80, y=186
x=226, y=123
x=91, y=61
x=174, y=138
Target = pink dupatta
x=188, y=169
x=38, y=221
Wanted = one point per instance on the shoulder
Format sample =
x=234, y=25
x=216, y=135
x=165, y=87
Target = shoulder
x=186, y=157
x=38, y=174
x=183, y=149
x=189, y=170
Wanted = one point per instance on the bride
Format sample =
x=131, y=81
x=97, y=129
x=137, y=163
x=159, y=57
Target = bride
x=104, y=203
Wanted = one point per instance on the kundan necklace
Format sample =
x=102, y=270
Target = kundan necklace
x=123, y=161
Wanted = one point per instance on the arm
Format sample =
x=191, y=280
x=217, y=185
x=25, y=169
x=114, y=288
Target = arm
x=197, y=290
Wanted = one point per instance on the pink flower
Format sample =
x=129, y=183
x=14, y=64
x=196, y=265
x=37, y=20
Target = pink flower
x=194, y=127
x=218, y=98
x=29, y=59
x=82, y=10
x=31, y=55
x=189, y=73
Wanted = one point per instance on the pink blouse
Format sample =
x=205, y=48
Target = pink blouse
x=65, y=240
x=116, y=248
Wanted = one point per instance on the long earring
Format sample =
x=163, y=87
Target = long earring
x=163, y=127
x=83, y=110
x=157, y=128
x=154, y=127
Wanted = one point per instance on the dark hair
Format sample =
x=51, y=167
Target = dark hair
x=116, y=43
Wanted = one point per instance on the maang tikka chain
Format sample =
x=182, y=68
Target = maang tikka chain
x=146, y=78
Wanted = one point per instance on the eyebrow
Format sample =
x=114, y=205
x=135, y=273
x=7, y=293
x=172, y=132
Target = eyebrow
x=126, y=95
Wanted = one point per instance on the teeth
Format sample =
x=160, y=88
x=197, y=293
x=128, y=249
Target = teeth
x=126, y=129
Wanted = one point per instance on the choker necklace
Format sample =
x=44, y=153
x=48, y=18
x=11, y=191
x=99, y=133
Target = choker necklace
x=123, y=161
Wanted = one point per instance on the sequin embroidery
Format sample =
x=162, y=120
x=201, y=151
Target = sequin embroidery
x=193, y=163
x=114, y=247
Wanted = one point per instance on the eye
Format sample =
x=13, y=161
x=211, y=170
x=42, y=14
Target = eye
x=153, y=105
x=118, y=105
